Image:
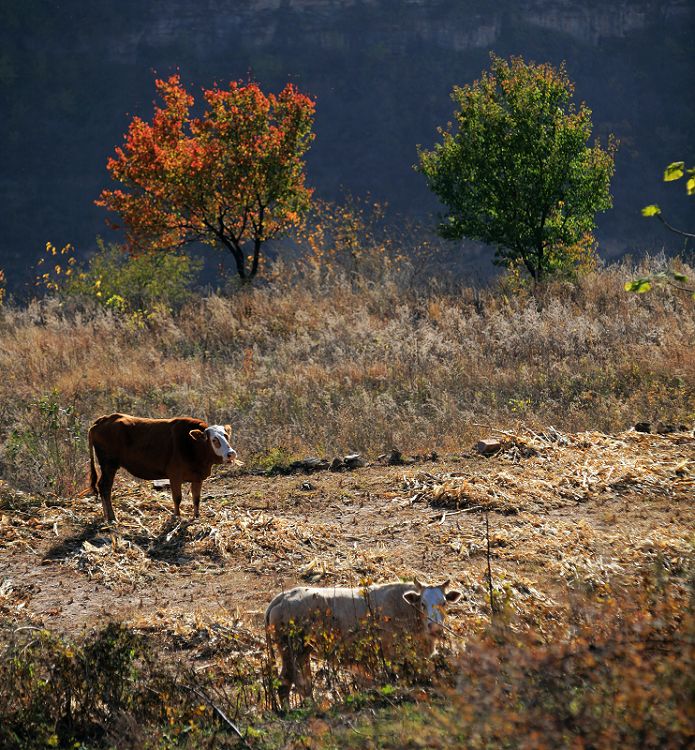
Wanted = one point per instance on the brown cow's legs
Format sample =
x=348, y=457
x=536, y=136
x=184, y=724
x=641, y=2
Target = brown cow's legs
x=104, y=486
x=195, y=491
x=176, y=495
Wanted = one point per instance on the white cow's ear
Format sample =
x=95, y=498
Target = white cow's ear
x=412, y=597
x=197, y=434
x=453, y=595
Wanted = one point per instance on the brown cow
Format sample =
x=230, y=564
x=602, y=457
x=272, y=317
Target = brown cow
x=182, y=449
x=405, y=618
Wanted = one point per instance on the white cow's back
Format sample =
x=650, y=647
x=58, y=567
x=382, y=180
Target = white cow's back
x=345, y=610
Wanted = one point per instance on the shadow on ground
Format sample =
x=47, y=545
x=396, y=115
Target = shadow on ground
x=170, y=543
x=71, y=544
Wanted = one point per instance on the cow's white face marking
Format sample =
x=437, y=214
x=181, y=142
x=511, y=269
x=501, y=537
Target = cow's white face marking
x=218, y=440
x=433, y=602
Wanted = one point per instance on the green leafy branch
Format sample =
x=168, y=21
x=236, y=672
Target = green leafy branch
x=675, y=171
x=663, y=278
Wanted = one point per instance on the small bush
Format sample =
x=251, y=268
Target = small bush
x=624, y=677
x=109, y=691
x=343, y=663
x=47, y=451
x=139, y=286
x=54, y=693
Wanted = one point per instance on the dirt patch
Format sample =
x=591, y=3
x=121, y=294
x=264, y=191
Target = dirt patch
x=564, y=511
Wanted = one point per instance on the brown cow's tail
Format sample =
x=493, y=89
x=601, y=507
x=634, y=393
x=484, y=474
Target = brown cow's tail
x=92, y=468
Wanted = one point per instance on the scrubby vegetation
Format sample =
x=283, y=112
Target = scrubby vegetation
x=138, y=286
x=109, y=690
x=358, y=346
x=618, y=674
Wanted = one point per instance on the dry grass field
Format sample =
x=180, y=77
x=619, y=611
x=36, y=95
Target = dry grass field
x=572, y=545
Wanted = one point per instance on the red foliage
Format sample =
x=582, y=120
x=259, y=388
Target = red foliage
x=234, y=176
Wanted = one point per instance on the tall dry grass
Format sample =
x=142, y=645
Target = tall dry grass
x=321, y=359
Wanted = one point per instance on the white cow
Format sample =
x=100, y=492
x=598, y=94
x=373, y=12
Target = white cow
x=405, y=619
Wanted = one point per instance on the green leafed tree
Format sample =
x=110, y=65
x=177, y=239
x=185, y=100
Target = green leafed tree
x=516, y=170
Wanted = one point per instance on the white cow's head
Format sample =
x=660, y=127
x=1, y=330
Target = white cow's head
x=218, y=436
x=432, y=601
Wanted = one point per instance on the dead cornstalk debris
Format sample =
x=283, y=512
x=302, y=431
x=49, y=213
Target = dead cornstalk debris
x=533, y=492
x=539, y=471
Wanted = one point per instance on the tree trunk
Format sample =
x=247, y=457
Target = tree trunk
x=238, y=255
x=257, y=240
x=256, y=257
x=240, y=265
x=528, y=262
x=539, y=263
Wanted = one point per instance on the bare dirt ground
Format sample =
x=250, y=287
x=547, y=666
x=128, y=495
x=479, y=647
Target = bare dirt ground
x=564, y=510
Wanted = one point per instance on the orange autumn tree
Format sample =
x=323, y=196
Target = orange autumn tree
x=231, y=179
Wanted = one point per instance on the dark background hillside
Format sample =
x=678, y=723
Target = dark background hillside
x=72, y=74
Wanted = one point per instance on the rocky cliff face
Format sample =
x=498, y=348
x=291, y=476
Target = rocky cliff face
x=594, y=22
x=72, y=74
x=454, y=25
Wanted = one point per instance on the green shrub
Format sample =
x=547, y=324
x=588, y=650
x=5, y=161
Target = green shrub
x=54, y=693
x=107, y=691
x=47, y=451
x=139, y=286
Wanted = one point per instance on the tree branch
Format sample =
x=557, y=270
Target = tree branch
x=673, y=229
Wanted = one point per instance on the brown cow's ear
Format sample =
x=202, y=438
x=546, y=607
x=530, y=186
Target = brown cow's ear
x=197, y=434
x=445, y=585
x=228, y=430
x=412, y=597
x=453, y=596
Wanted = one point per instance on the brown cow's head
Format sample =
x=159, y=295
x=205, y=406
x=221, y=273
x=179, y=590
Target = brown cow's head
x=432, y=601
x=218, y=437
